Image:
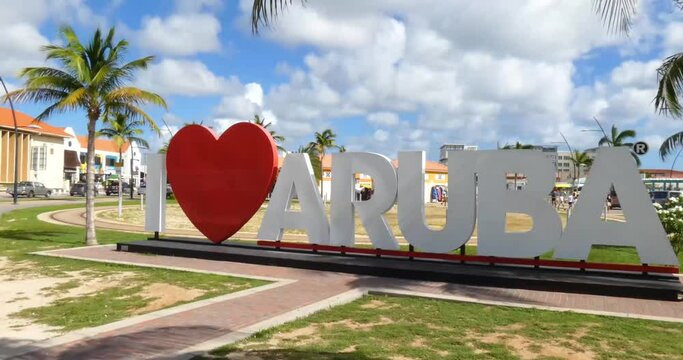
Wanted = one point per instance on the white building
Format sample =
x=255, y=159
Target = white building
x=106, y=158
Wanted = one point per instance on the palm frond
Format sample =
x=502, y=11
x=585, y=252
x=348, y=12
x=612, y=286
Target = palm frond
x=670, y=76
x=670, y=145
x=616, y=14
x=264, y=12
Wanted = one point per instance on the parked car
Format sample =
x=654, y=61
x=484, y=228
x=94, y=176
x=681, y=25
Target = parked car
x=30, y=189
x=112, y=187
x=169, y=191
x=79, y=189
x=662, y=196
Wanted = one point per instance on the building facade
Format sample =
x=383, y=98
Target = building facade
x=40, y=147
x=56, y=156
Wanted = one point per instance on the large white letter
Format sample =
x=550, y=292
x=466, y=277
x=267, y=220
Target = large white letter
x=495, y=201
x=342, y=230
x=461, y=213
x=642, y=229
x=296, y=177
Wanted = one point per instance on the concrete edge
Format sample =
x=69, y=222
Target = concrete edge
x=458, y=298
x=234, y=336
x=55, y=253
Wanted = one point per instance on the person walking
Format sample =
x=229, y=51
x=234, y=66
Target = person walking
x=570, y=203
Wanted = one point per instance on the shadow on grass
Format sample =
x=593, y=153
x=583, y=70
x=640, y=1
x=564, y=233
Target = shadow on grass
x=50, y=236
x=285, y=354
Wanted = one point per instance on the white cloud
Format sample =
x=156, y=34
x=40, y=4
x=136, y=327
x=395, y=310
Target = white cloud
x=20, y=45
x=673, y=37
x=383, y=119
x=185, y=77
x=380, y=135
x=181, y=34
x=636, y=74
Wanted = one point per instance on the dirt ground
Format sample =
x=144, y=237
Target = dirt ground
x=435, y=217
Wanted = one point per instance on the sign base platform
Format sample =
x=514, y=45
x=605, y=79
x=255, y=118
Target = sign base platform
x=661, y=286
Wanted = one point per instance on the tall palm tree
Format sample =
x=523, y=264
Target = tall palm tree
x=124, y=131
x=164, y=148
x=580, y=159
x=323, y=141
x=92, y=78
x=517, y=146
x=266, y=124
x=618, y=138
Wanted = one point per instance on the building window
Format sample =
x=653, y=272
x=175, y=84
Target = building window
x=83, y=157
x=38, y=158
x=111, y=161
x=440, y=176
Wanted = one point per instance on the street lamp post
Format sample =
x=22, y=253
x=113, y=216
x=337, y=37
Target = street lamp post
x=16, y=143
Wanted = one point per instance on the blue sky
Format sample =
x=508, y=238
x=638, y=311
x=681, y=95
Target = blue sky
x=385, y=75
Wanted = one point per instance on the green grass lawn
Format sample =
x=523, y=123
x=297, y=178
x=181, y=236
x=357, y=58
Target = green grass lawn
x=400, y=328
x=21, y=233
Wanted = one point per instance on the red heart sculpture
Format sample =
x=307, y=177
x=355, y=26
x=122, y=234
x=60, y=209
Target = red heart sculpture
x=220, y=182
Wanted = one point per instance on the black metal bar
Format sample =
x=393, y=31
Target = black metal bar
x=536, y=266
x=463, y=251
x=411, y=249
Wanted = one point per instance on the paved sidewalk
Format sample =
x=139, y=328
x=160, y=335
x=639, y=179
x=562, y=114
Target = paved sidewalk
x=177, y=334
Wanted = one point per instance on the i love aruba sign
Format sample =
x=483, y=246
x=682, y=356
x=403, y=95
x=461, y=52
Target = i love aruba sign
x=221, y=182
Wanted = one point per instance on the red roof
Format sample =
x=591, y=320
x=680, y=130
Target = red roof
x=661, y=173
x=26, y=123
x=103, y=144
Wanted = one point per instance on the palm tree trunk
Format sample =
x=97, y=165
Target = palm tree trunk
x=120, y=173
x=90, y=235
x=322, y=172
x=130, y=180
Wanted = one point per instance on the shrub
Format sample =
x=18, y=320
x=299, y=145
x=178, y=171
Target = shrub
x=671, y=216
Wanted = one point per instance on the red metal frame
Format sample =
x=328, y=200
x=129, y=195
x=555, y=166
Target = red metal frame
x=644, y=268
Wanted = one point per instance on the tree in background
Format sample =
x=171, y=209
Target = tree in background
x=580, y=159
x=279, y=139
x=124, y=131
x=323, y=141
x=93, y=78
x=314, y=156
x=618, y=138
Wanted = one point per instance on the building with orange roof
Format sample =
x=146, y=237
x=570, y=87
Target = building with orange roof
x=56, y=156
x=40, y=148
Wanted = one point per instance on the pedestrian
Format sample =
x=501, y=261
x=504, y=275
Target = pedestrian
x=553, y=198
x=570, y=203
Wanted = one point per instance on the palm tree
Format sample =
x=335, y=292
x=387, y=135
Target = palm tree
x=323, y=141
x=517, y=146
x=579, y=159
x=92, y=78
x=164, y=148
x=618, y=14
x=266, y=124
x=342, y=148
x=124, y=131
x=314, y=156
x=617, y=138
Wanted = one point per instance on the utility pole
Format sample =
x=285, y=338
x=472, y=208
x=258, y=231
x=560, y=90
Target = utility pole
x=16, y=144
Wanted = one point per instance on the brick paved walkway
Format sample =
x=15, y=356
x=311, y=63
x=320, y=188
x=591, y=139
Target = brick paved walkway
x=170, y=336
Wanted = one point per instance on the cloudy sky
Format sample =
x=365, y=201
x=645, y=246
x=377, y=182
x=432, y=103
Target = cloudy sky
x=386, y=75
